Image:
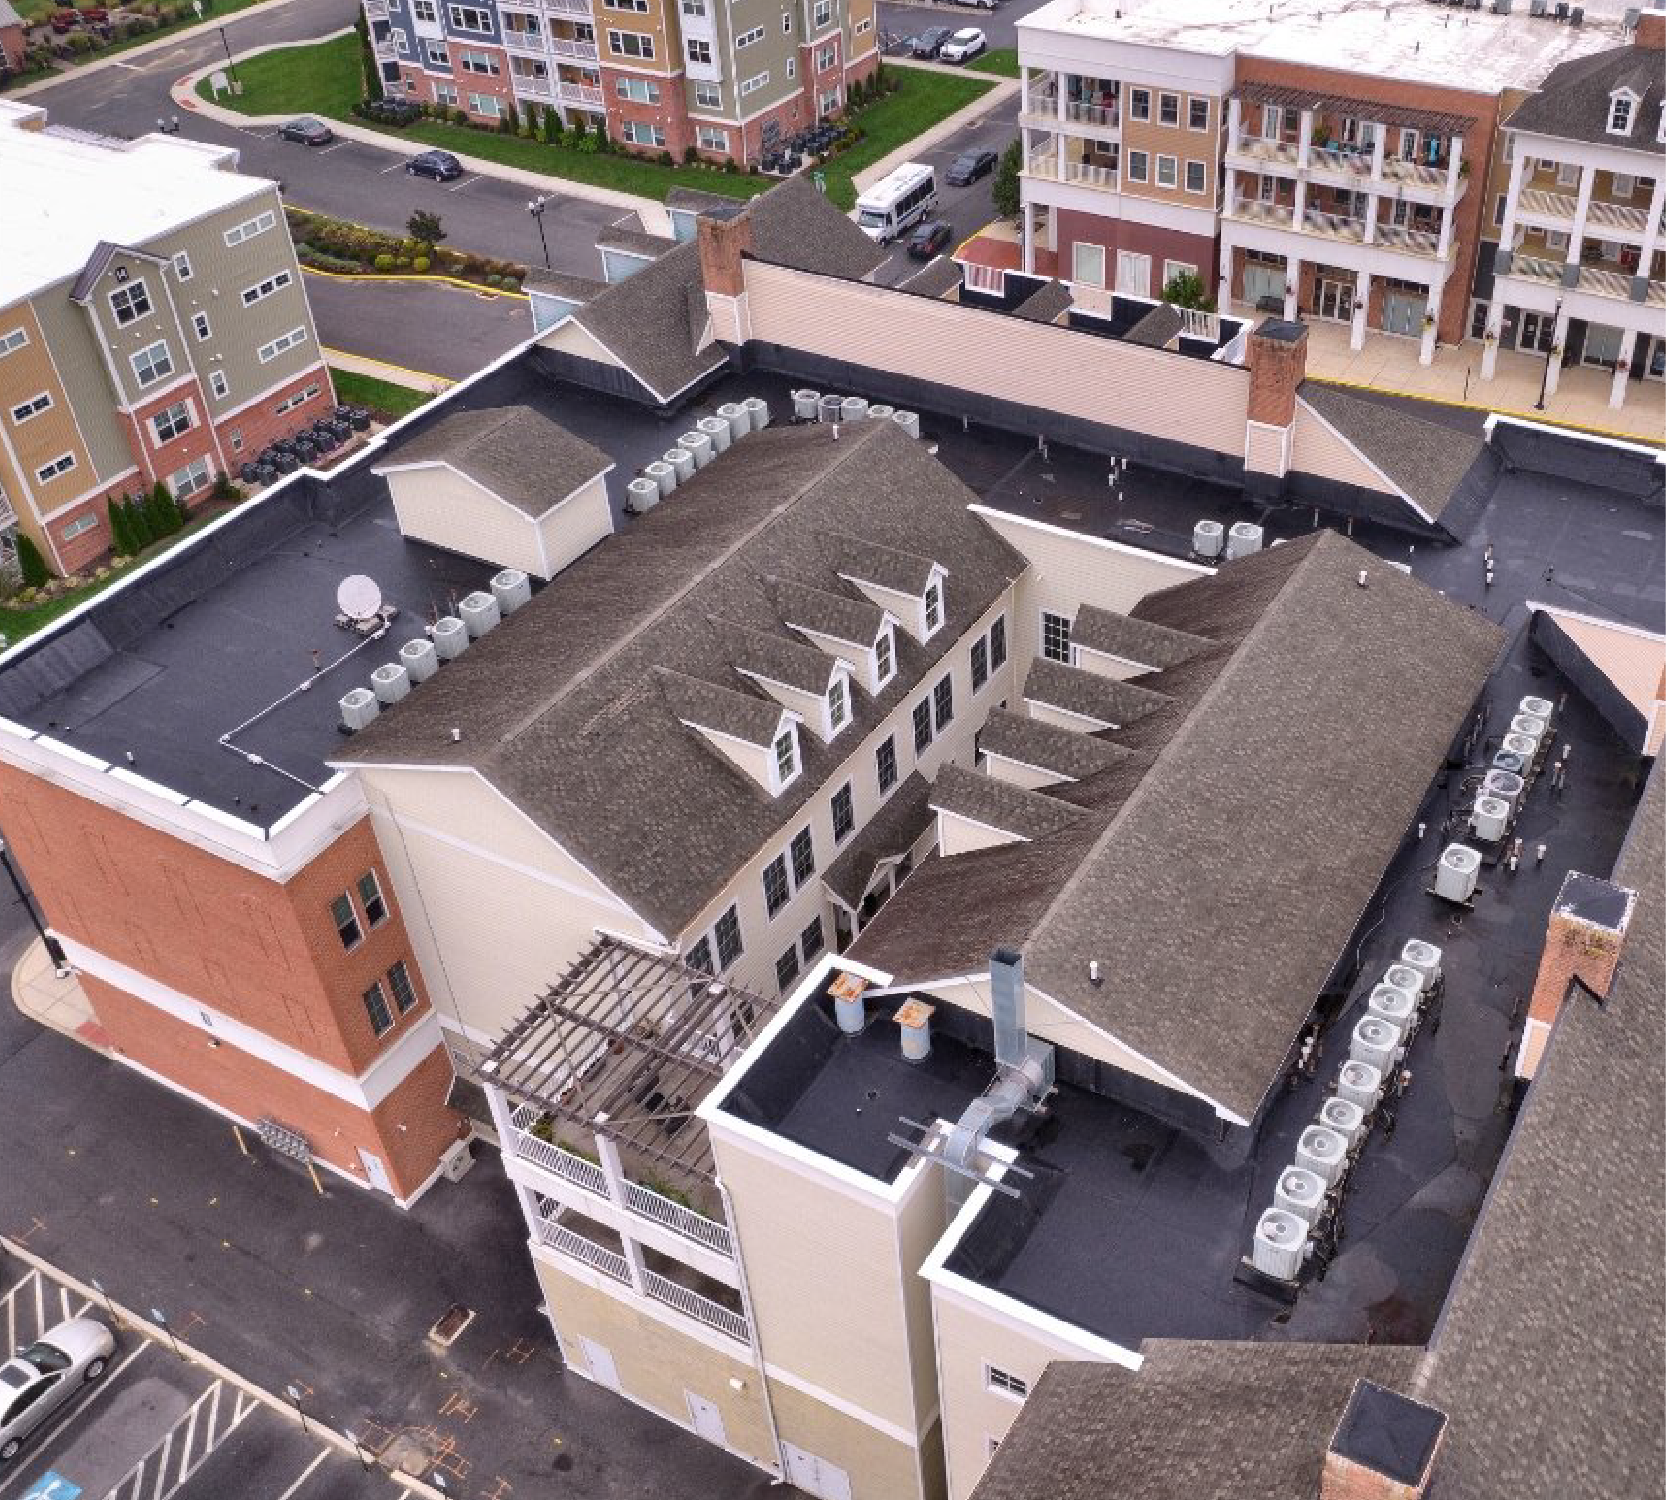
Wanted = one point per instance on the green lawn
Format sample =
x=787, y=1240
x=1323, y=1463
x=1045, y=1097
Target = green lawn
x=323, y=79
x=381, y=396
x=1002, y=61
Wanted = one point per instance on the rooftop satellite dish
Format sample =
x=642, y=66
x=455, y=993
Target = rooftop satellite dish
x=358, y=597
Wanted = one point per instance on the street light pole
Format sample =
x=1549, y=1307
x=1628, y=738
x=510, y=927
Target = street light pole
x=536, y=209
x=294, y=1395
x=54, y=949
x=1550, y=354
x=230, y=63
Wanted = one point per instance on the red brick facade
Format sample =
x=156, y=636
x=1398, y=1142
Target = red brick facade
x=11, y=46
x=261, y=422
x=1071, y=227
x=163, y=460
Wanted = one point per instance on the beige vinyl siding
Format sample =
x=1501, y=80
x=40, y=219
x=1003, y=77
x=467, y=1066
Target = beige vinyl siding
x=65, y=330
x=575, y=525
x=1317, y=448
x=957, y=835
x=879, y=1465
x=24, y=374
x=570, y=338
x=1042, y=365
x=121, y=343
x=1015, y=773
x=1103, y=664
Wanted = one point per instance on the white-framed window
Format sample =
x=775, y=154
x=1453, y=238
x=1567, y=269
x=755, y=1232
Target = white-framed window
x=488, y=105
x=699, y=49
x=470, y=18
x=784, y=755
x=823, y=14
x=942, y=702
x=1139, y=104
x=79, y=526
x=920, y=715
x=885, y=764
x=269, y=352
x=753, y=84
x=787, y=968
x=884, y=657
x=710, y=96
x=980, y=664
x=813, y=939
x=446, y=94
x=642, y=133
x=219, y=385
x=932, y=608
x=1139, y=166
x=261, y=290
x=483, y=63
x=726, y=934
x=1005, y=1382
x=1622, y=107
x=152, y=363
x=838, y=704
x=786, y=23
x=827, y=57
x=401, y=44
x=249, y=228
x=830, y=101
x=425, y=10
x=1624, y=184
x=777, y=890
x=863, y=26
x=1567, y=174
x=201, y=326
x=1498, y=210
x=1087, y=263
x=1557, y=239
x=171, y=422
x=637, y=90
x=434, y=54
x=711, y=138
x=236, y=439
x=33, y=407
x=792, y=67
x=1055, y=636
x=404, y=992
x=62, y=464
x=843, y=812
x=1197, y=113
x=998, y=643
x=131, y=302
x=1168, y=171
x=748, y=38
x=12, y=340
x=376, y=1007
x=1197, y=176
x=1168, y=109
x=190, y=480
x=1173, y=268
x=694, y=7
x=182, y=266
x=631, y=44
x=640, y=7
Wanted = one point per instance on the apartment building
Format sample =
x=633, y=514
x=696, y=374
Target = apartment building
x=727, y=79
x=1299, y=159
x=153, y=326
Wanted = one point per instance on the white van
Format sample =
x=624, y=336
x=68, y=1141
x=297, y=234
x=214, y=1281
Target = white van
x=897, y=202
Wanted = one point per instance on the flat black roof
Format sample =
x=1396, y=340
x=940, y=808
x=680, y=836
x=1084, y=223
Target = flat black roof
x=1388, y=1432
x=1599, y=902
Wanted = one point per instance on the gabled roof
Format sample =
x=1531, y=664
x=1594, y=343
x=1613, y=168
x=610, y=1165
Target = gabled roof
x=517, y=453
x=1141, y=641
x=885, y=567
x=1044, y=305
x=1077, y=690
x=770, y=654
x=889, y=834
x=724, y=710
x=999, y=804
x=795, y=225
x=98, y=263
x=632, y=239
x=1573, y=102
x=565, y=707
x=936, y=278
x=855, y=621
x=562, y=284
x=1158, y=328
x=1047, y=747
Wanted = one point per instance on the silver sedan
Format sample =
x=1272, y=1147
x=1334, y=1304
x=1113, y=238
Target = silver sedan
x=46, y=1374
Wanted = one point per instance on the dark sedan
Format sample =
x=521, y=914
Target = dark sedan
x=969, y=166
x=929, y=238
x=442, y=166
x=930, y=43
x=308, y=131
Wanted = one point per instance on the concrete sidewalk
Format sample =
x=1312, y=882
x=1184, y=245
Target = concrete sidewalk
x=54, y=998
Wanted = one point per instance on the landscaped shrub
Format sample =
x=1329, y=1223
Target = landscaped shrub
x=493, y=279
x=138, y=524
x=403, y=262
x=319, y=260
x=383, y=262
x=35, y=571
x=511, y=284
x=421, y=264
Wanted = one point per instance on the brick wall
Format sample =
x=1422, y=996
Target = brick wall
x=1073, y=226
x=1343, y=1479
x=1277, y=367
x=160, y=461
x=261, y=422
x=1574, y=949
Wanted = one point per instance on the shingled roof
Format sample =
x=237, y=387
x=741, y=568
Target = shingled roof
x=1573, y=101
x=571, y=707
x=999, y=804
x=1142, y=642
x=1064, y=752
x=1232, y=870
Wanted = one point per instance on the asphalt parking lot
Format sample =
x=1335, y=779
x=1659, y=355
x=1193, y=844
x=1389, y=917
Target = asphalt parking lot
x=156, y=1426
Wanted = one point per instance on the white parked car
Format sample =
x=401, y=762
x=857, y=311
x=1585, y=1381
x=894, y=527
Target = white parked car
x=963, y=46
x=42, y=1377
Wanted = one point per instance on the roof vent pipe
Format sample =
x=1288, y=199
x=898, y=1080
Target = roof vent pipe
x=1006, y=1003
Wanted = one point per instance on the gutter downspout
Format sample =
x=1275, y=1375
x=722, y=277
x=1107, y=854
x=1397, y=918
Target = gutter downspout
x=752, y=1337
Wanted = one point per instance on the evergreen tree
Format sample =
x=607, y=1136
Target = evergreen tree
x=168, y=517
x=29, y=559
x=138, y=524
x=121, y=537
x=1006, y=190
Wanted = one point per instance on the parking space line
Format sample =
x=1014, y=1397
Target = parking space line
x=394, y=168
x=306, y=1474
x=328, y=149
x=37, y=1452
x=463, y=184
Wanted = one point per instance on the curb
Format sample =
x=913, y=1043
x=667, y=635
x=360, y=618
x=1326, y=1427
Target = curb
x=427, y=279
x=380, y=369
x=166, y=1337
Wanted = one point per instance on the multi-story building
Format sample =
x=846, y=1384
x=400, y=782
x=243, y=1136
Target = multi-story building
x=1581, y=271
x=726, y=79
x=153, y=326
x=1299, y=158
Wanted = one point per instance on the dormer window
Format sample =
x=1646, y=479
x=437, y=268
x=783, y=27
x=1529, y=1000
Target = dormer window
x=838, y=704
x=1622, y=109
x=933, y=607
x=884, y=658
x=786, y=757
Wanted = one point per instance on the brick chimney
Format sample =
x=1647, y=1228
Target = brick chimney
x=1587, y=929
x=1383, y=1448
x=1277, y=365
x=722, y=244
x=1651, y=30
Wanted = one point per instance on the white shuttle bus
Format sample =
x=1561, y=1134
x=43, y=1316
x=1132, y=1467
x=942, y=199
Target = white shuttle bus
x=897, y=202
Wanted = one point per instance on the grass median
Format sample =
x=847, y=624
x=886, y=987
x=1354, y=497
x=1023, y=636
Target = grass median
x=1003, y=62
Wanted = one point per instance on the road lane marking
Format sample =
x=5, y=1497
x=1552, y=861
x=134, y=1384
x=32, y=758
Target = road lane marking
x=306, y=1474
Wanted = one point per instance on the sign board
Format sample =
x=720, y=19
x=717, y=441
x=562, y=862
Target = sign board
x=51, y=1486
x=217, y=82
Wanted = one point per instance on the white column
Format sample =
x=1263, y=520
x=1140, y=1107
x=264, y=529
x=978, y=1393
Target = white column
x=1426, y=348
x=1558, y=342
x=1651, y=231
x=1453, y=167
x=1377, y=147
x=1223, y=298
x=1507, y=233
x=1304, y=139
x=607, y=1152
x=1445, y=247
x=1231, y=190
x=1234, y=122
x=1617, y=386
x=1292, y=286
x=1024, y=89
x=1371, y=204
x=1581, y=209
x=1494, y=329
x=1026, y=220
x=1058, y=96
x=1362, y=308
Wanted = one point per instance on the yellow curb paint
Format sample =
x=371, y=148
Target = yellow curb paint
x=467, y=286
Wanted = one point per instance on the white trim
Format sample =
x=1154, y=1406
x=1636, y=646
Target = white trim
x=1070, y=713
x=1012, y=760
x=1007, y=835
x=86, y=496
x=521, y=515
x=270, y=391
x=893, y=1430
x=1354, y=448
x=991, y=513
x=1644, y=449
x=366, y=1091
x=1077, y=646
x=1534, y=606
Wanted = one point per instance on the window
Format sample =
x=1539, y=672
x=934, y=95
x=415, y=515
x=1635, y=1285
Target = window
x=838, y=704
x=130, y=302
x=171, y=422
x=376, y=1007
x=709, y=96
x=200, y=326
x=446, y=94
x=637, y=90
x=752, y=85
x=269, y=352
x=812, y=940
x=182, y=266
x=844, y=814
x=727, y=934
x=884, y=657
x=1620, y=110
x=934, y=607
x=787, y=968
x=827, y=57
x=942, y=702
x=824, y=13
x=786, y=757
x=236, y=436
x=643, y=133
x=786, y=23
x=747, y=38
x=1498, y=211
x=1139, y=104
x=699, y=50
x=62, y=464
x=885, y=763
x=1624, y=184
x=864, y=26
x=1196, y=177
x=470, y=18
x=1197, y=116
x=792, y=67
x=1055, y=637
x=1173, y=268
x=1087, y=263
x=713, y=139
x=190, y=480
x=404, y=992
x=803, y=856
x=777, y=891
x=12, y=341
x=218, y=383
x=1168, y=109
x=434, y=54
x=694, y=7
x=630, y=44
x=922, y=725
x=1168, y=171
x=249, y=228
x=1000, y=1380
x=1567, y=174
x=1556, y=239
x=700, y=956
x=261, y=290
x=483, y=63
x=425, y=10
x=1138, y=167
x=370, y=898
x=79, y=525
x=980, y=663
x=998, y=644
x=33, y=407
x=347, y=922
x=639, y=6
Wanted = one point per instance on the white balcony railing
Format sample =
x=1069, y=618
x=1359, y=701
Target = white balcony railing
x=579, y=8
x=528, y=42
x=582, y=93
x=1534, y=268
x=1401, y=238
x=1254, y=211
x=676, y=1216
x=1259, y=149
x=1093, y=114
x=1081, y=171
x=1622, y=216
x=712, y=1314
x=1399, y=169
x=1350, y=164
x=559, y=1161
x=375, y=10
x=566, y=47
x=608, y=1262
x=387, y=51
x=1333, y=226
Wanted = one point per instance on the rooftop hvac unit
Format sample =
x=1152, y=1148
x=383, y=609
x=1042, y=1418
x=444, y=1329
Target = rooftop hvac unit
x=682, y=461
x=1208, y=538
x=1503, y=784
x=451, y=637
x=1523, y=745
x=735, y=415
x=1425, y=958
x=662, y=474
x=1489, y=818
x=390, y=682
x=909, y=421
x=1530, y=725
x=881, y=413
x=1457, y=872
x=699, y=448
x=358, y=708
x=830, y=409
x=1300, y=1192
x=806, y=404
x=757, y=411
x=641, y=496
x=1393, y=1006
x=1345, y=1118
x=419, y=659
x=717, y=430
x=1539, y=8
x=1407, y=977
x=1280, y=1245
x=855, y=409
x=1360, y=1084
x=511, y=588
x=1374, y=1042
x=1323, y=1153
x=1508, y=760
x=1539, y=708
x=1243, y=538
x=480, y=613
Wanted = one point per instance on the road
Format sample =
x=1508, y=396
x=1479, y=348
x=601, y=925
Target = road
x=432, y=328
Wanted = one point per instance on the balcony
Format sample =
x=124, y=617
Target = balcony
x=530, y=43
x=387, y=51
x=1595, y=280
x=375, y=10
x=1419, y=241
x=530, y=85
x=1253, y=150
x=693, y=1305
x=1046, y=164
x=1623, y=217
x=1540, y=207
x=579, y=51
x=578, y=8
x=583, y=95
x=1254, y=211
x=1401, y=169
x=1106, y=116
x=559, y=1237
